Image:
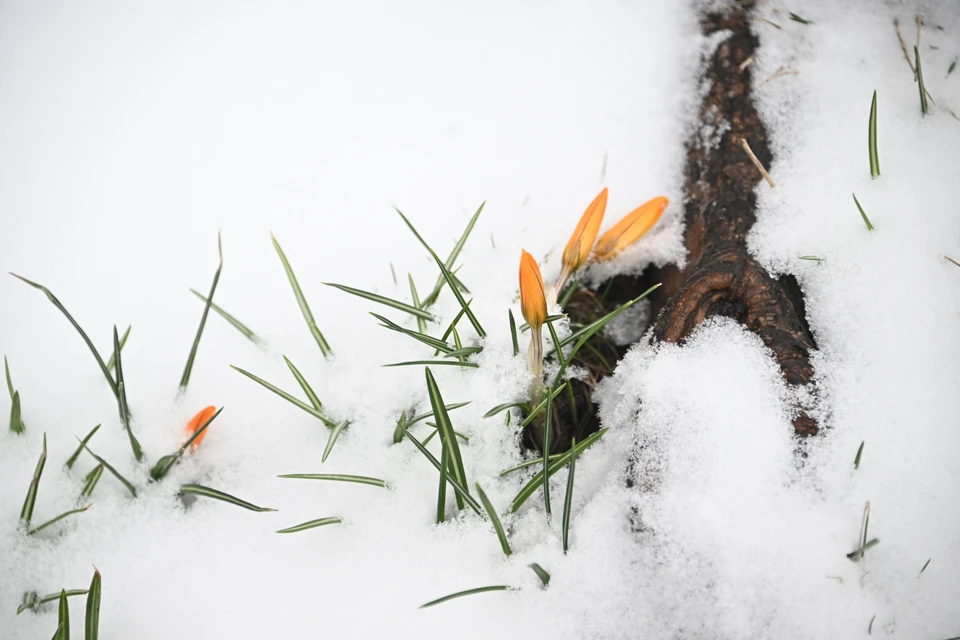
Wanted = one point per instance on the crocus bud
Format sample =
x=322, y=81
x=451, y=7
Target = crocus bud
x=630, y=229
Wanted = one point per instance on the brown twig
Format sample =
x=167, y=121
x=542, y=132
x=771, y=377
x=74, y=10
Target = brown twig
x=772, y=24
x=779, y=73
x=756, y=162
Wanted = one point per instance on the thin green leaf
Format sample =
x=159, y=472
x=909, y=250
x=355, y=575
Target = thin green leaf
x=338, y=477
x=568, y=499
x=58, y=634
x=814, y=258
x=57, y=519
x=531, y=487
x=547, y=441
x=531, y=463
x=924, y=567
x=447, y=435
x=185, y=378
x=442, y=490
x=797, y=18
x=453, y=324
x=428, y=340
x=863, y=213
x=540, y=407
x=393, y=273
x=332, y=440
x=559, y=316
x=456, y=363
x=63, y=617
x=26, y=513
x=507, y=405
x=31, y=601
x=289, y=398
x=16, y=421
x=468, y=592
x=953, y=65
x=870, y=626
x=86, y=339
x=513, y=332
x=457, y=487
x=464, y=352
x=311, y=524
x=557, y=349
x=302, y=301
x=236, y=324
x=924, y=108
x=116, y=474
x=495, y=519
x=421, y=323
x=390, y=302
x=856, y=461
x=568, y=292
x=207, y=492
x=122, y=399
x=6, y=371
x=872, y=139
x=541, y=573
x=90, y=482
x=402, y=422
x=307, y=389
x=459, y=296
x=83, y=443
x=112, y=362
x=856, y=555
x=91, y=627
x=454, y=253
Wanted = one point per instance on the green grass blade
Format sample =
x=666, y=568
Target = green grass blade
x=797, y=18
x=58, y=519
x=403, y=422
x=332, y=440
x=58, y=634
x=557, y=349
x=507, y=405
x=302, y=301
x=464, y=352
x=454, y=254
x=83, y=443
x=547, y=441
x=856, y=461
x=16, y=422
x=63, y=617
x=863, y=213
x=568, y=499
x=116, y=474
x=31, y=601
x=236, y=324
x=924, y=567
x=26, y=512
x=456, y=363
x=555, y=465
x=447, y=435
x=924, y=108
x=421, y=323
x=185, y=378
x=541, y=573
x=596, y=325
x=428, y=340
x=513, y=332
x=390, y=302
x=6, y=371
x=91, y=626
x=456, y=292
x=338, y=477
x=90, y=482
x=311, y=524
x=207, y=492
x=122, y=399
x=289, y=398
x=307, y=389
x=530, y=463
x=856, y=555
x=442, y=490
x=112, y=362
x=453, y=324
x=468, y=592
x=495, y=519
x=86, y=338
x=457, y=487
x=872, y=139
x=540, y=407
x=814, y=258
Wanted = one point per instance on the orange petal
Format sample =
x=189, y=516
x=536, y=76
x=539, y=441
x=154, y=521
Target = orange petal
x=196, y=422
x=533, y=303
x=633, y=227
x=581, y=242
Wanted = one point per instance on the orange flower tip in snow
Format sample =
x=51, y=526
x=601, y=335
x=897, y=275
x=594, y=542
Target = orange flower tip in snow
x=631, y=228
x=533, y=303
x=198, y=421
x=581, y=242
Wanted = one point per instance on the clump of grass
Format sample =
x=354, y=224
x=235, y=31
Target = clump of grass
x=302, y=301
x=16, y=421
x=863, y=214
x=185, y=378
x=468, y=592
x=207, y=492
x=872, y=139
x=924, y=108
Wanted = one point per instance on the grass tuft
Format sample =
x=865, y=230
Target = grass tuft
x=872, y=139
x=468, y=592
x=447, y=436
x=460, y=490
x=302, y=301
x=207, y=492
x=863, y=213
x=311, y=524
x=26, y=512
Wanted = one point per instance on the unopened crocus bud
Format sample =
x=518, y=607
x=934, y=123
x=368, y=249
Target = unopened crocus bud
x=631, y=228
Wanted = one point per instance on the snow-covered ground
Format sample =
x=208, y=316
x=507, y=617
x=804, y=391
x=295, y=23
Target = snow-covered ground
x=130, y=134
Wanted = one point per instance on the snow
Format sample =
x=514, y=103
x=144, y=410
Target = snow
x=132, y=134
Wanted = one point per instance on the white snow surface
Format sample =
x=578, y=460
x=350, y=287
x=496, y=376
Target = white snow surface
x=130, y=134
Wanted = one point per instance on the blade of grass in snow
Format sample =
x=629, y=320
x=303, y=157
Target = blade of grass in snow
x=402, y=422
x=442, y=489
x=332, y=440
x=390, y=302
x=116, y=474
x=923, y=92
x=453, y=325
x=513, y=332
x=447, y=435
x=63, y=617
x=57, y=519
x=457, y=363
x=507, y=405
x=16, y=421
x=166, y=463
x=557, y=349
x=540, y=407
x=26, y=512
x=568, y=499
x=393, y=273
x=872, y=139
x=302, y=301
x=289, y=398
x=468, y=592
x=814, y=258
x=541, y=573
x=530, y=463
x=568, y=292
x=495, y=519
x=547, y=441
x=122, y=399
x=112, y=362
x=457, y=487
x=6, y=371
x=311, y=524
x=588, y=331
x=560, y=316
x=31, y=600
x=465, y=439
x=530, y=488
x=459, y=296
x=924, y=567
x=421, y=323
x=185, y=378
x=797, y=18
x=91, y=480
x=856, y=555
x=207, y=492
x=239, y=326
x=428, y=340
x=463, y=352
x=91, y=625
x=337, y=477
x=307, y=389
x=863, y=213
x=83, y=443
x=856, y=461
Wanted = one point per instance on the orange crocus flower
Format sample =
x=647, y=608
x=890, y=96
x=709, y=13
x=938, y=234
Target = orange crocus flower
x=581, y=242
x=196, y=422
x=630, y=229
x=533, y=304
